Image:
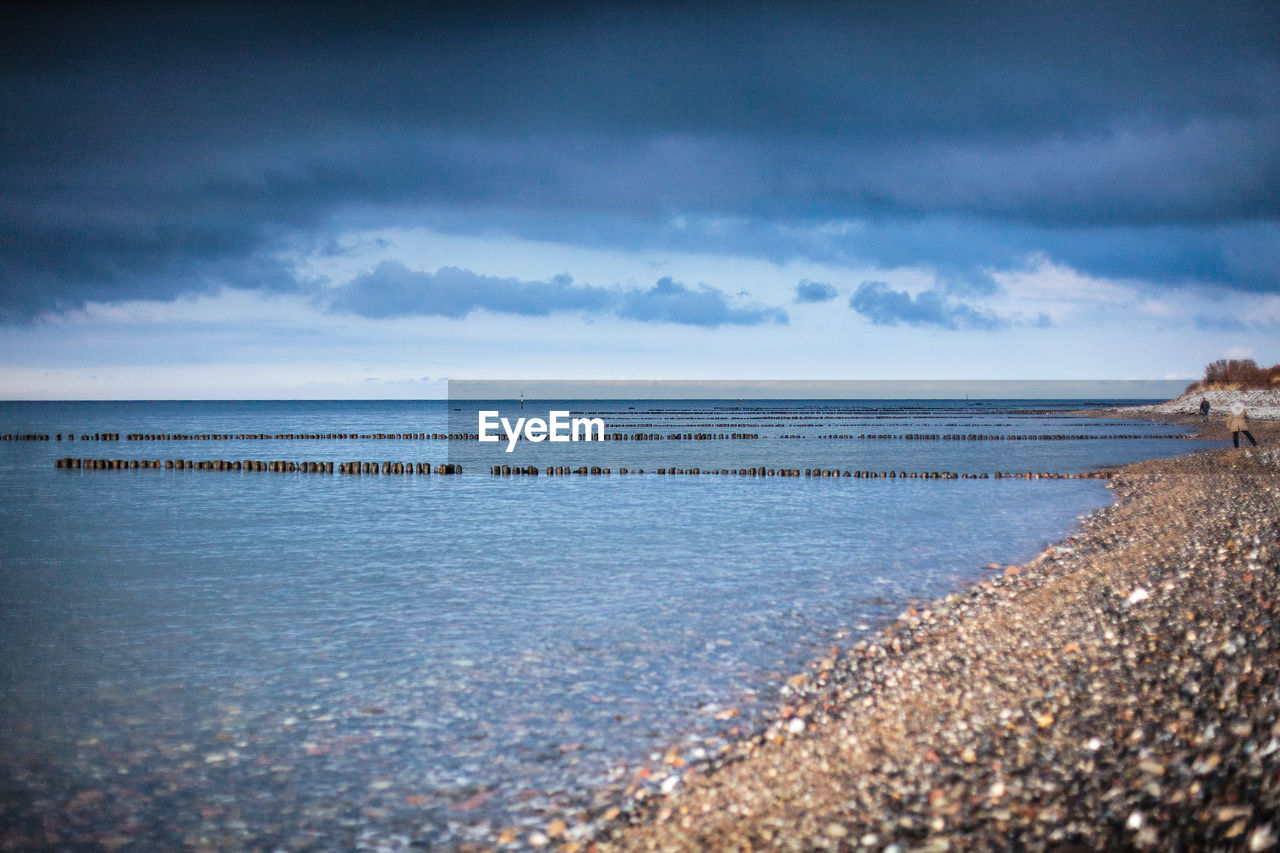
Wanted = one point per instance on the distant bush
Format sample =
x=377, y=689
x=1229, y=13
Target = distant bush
x=1239, y=372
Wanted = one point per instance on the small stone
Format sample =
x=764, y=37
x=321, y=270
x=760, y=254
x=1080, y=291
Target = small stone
x=835, y=830
x=1262, y=838
x=537, y=839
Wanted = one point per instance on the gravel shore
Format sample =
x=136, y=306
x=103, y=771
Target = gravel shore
x=1118, y=692
x=1262, y=403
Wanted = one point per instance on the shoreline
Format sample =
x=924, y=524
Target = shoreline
x=1263, y=406
x=1118, y=690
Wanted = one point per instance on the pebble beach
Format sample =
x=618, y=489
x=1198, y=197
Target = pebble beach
x=1119, y=691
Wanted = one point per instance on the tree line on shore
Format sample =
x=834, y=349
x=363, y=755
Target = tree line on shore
x=1237, y=373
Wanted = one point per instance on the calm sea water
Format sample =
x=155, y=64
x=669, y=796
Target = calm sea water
x=259, y=660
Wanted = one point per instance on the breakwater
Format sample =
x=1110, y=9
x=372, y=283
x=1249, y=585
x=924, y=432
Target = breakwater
x=276, y=466
x=988, y=436
x=608, y=436
x=583, y=470
x=390, y=468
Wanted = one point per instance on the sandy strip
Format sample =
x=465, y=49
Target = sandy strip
x=1120, y=691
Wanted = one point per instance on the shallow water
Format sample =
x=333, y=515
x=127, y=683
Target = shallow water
x=253, y=659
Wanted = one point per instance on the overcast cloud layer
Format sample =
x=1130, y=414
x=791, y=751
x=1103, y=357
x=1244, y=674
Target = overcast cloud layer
x=154, y=152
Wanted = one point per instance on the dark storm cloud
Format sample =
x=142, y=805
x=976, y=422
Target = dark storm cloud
x=157, y=150
x=393, y=290
x=884, y=306
x=814, y=291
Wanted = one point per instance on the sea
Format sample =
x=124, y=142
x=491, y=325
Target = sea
x=243, y=659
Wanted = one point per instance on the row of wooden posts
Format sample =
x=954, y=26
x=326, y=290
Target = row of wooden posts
x=375, y=436
x=272, y=466
x=44, y=436
x=239, y=436
x=419, y=436
x=427, y=468
x=985, y=437
x=556, y=471
x=286, y=436
x=615, y=436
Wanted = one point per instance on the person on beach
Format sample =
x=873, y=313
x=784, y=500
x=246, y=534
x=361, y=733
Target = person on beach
x=1238, y=423
x=1204, y=409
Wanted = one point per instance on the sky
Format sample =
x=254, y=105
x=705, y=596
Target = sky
x=367, y=200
